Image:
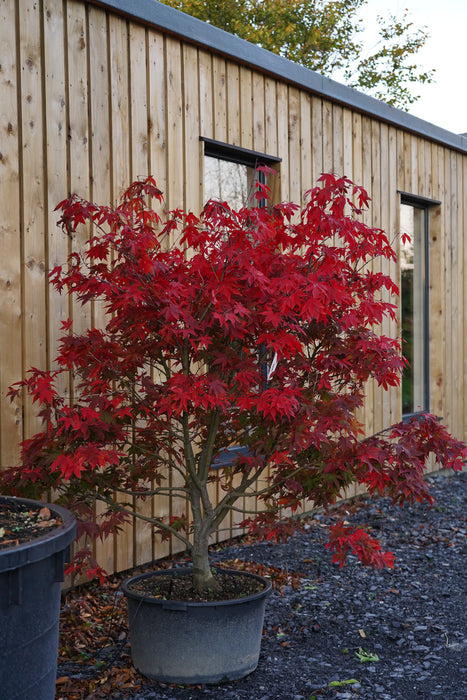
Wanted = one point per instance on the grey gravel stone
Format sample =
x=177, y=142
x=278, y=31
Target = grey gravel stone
x=414, y=616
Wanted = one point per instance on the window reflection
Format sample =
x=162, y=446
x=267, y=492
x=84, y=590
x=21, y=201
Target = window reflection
x=229, y=182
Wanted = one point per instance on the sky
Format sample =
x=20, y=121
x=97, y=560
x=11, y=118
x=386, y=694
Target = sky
x=443, y=102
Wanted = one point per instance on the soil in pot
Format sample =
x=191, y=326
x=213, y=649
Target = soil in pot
x=21, y=523
x=174, y=586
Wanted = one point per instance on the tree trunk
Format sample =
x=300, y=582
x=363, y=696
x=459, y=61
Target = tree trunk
x=202, y=574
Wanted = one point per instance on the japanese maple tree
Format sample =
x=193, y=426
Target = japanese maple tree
x=252, y=328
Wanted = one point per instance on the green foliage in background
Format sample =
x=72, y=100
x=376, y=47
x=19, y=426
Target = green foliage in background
x=325, y=36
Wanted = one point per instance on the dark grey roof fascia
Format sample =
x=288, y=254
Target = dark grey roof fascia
x=203, y=34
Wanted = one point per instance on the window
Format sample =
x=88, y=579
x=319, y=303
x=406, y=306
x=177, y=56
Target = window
x=414, y=217
x=230, y=173
x=230, y=182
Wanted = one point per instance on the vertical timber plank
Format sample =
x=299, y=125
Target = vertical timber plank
x=56, y=124
x=220, y=102
x=295, y=178
x=100, y=126
x=464, y=302
x=100, y=177
x=407, y=163
x=32, y=188
x=306, y=155
x=317, y=138
x=246, y=108
x=76, y=64
x=206, y=116
x=120, y=117
x=376, y=138
x=270, y=109
x=233, y=104
x=138, y=102
x=258, y=113
x=119, y=106
x=337, y=141
x=175, y=186
x=357, y=149
x=452, y=338
x=157, y=128
x=327, y=138
x=357, y=177
x=384, y=206
x=436, y=286
x=422, y=180
x=139, y=158
x=10, y=237
x=175, y=143
x=193, y=155
x=400, y=160
x=78, y=133
x=393, y=267
x=55, y=121
x=367, y=182
x=205, y=94
x=283, y=193
x=448, y=388
x=400, y=179
x=347, y=161
x=157, y=134
x=428, y=169
x=458, y=275
x=271, y=136
x=193, y=162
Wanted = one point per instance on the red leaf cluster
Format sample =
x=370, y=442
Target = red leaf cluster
x=345, y=539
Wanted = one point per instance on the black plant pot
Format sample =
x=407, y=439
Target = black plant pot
x=195, y=642
x=30, y=576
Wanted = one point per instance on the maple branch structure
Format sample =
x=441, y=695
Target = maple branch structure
x=252, y=329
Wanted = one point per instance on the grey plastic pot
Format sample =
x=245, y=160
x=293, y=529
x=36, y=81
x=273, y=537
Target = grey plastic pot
x=195, y=642
x=30, y=577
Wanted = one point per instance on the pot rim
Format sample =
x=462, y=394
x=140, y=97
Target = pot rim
x=182, y=604
x=42, y=547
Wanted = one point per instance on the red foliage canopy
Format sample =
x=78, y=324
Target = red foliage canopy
x=253, y=327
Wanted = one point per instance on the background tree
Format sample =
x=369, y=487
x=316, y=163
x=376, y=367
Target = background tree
x=325, y=37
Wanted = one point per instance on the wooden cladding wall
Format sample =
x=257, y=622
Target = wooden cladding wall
x=90, y=100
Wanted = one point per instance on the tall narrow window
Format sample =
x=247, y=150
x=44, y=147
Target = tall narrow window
x=414, y=307
x=230, y=173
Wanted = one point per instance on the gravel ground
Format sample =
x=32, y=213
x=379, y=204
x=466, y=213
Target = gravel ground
x=381, y=635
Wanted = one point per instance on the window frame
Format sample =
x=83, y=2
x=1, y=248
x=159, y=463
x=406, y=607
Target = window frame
x=425, y=205
x=239, y=155
x=236, y=154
